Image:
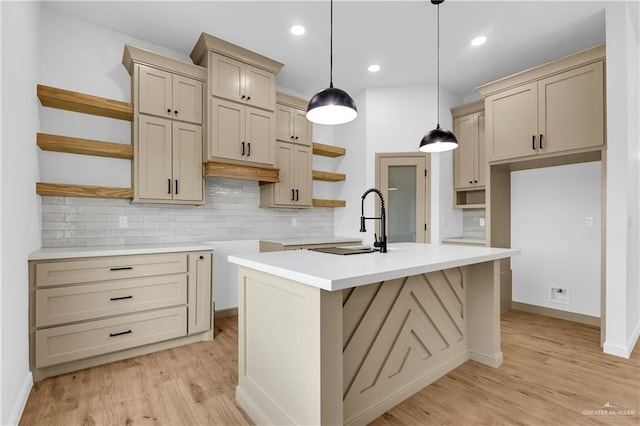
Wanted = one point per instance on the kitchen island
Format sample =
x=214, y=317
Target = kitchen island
x=327, y=339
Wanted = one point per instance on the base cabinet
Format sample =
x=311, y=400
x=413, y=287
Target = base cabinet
x=90, y=311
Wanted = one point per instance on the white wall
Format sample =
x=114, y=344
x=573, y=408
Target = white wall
x=623, y=186
x=20, y=206
x=548, y=211
x=395, y=120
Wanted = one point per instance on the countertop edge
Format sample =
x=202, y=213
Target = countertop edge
x=101, y=251
x=355, y=281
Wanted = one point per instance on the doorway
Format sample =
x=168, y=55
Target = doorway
x=404, y=181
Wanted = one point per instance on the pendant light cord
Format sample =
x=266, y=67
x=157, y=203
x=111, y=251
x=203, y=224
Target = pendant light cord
x=438, y=64
x=331, y=49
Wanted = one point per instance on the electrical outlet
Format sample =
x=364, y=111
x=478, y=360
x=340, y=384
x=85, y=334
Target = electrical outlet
x=123, y=221
x=481, y=221
x=294, y=221
x=588, y=221
x=559, y=295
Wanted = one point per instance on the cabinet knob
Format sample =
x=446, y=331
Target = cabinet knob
x=248, y=98
x=201, y=258
x=242, y=97
x=293, y=137
x=175, y=112
x=470, y=182
x=169, y=110
x=296, y=138
x=475, y=181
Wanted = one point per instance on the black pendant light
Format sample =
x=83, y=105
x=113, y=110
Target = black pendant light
x=332, y=105
x=438, y=140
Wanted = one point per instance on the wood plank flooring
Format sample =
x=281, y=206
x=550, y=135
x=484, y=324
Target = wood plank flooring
x=554, y=373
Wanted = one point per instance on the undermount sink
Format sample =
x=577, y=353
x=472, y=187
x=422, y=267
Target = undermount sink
x=344, y=250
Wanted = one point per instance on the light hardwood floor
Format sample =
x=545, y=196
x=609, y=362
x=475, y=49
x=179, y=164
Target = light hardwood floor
x=554, y=373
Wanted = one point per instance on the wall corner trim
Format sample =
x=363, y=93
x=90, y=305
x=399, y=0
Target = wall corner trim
x=624, y=351
x=21, y=400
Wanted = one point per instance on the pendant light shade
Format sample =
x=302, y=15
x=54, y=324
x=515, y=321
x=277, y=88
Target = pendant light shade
x=438, y=140
x=332, y=105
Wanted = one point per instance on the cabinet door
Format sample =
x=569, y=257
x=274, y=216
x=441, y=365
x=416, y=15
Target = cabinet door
x=302, y=127
x=199, y=293
x=187, y=162
x=154, y=91
x=187, y=99
x=260, y=136
x=303, y=159
x=481, y=156
x=259, y=88
x=466, y=131
x=227, y=129
x=153, y=158
x=225, y=77
x=571, y=109
x=512, y=122
x=284, y=190
x=285, y=123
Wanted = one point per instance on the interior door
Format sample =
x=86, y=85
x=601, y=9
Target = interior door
x=403, y=179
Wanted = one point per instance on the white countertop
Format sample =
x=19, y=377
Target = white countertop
x=72, y=252
x=332, y=272
x=303, y=241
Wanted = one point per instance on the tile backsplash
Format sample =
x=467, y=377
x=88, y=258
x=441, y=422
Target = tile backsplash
x=231, y=212
x=471, y=223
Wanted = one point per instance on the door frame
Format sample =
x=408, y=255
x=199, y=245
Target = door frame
x=405, y=159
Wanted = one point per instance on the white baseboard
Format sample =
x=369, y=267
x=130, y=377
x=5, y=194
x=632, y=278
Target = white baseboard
x=250, y=407
x=495, y=361
x=623, y=351
x=21, y=400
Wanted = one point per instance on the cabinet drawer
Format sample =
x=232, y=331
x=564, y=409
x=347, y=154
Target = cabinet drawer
x=90, y=301
x=109, y=268
x=72, y=342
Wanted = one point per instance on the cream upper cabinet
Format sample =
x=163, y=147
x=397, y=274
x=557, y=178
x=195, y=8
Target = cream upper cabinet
x=241, y=133
x=292, y=124
x=241, y=82
x=469, y=160
x=165, y=94
x=242, y=102
x=167, y=128
x=571, y=109
x=555, y=108
x=293, y=156
x=295, y=186
x=512, y=122
x=169, y=161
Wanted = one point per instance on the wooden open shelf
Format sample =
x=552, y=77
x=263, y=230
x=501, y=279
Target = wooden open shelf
x=66, y=190
x=328, y=176
x=469, y=199
x=71, y=145
x=328, y=150
x=87, y=104
x=317, y=202
x=236, y=171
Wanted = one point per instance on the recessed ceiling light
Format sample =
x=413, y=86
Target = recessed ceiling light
x=297, y=30
x=478, y=41
x=374, y=68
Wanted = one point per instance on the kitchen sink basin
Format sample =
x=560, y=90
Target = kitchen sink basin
x=344, y=250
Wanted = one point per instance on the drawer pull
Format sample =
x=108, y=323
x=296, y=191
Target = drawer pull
x=121, y=298
x=120, y=334
x=122, y=268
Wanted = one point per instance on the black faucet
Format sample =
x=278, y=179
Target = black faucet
x=382, y=244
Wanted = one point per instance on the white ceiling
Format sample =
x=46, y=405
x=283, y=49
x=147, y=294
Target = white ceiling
x=398, y=35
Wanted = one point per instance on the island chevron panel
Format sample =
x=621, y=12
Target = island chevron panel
x=399, y=333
